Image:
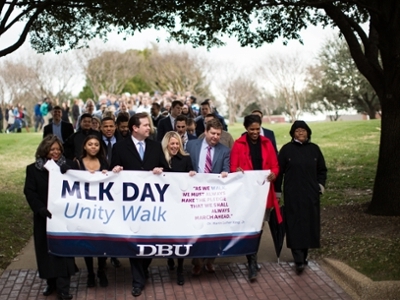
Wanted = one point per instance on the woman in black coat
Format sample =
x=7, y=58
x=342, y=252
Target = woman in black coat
x=178, y=161
x=55, y=269
x=93, y=159
x=303, y=175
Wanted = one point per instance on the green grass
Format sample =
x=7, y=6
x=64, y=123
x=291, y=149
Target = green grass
x=16, y=152
x=350, y=150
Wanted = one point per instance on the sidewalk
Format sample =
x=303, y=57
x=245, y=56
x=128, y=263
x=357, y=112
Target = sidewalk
x=274, y=281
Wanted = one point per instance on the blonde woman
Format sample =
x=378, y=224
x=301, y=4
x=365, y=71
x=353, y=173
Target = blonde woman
x=178, y=161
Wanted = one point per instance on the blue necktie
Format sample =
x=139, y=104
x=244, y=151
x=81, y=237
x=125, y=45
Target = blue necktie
x=141, y=150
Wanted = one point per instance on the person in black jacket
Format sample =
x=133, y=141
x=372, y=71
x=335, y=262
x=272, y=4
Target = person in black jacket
x=302, y=176
x=73, y=144
x=168, y=123
x=138, y=152
x=93, y=159
x=56, y=270
x=61, y=129
x=178, y=161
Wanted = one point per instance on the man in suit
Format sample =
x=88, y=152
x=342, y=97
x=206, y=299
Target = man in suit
x=226, y=137
x=266, y=132
x=168, y=123
x=110, y=136
x=209, y=156
x=180, y=128
x=58, y=127
x=205, y=109
x=138, y=153
x=155, y=112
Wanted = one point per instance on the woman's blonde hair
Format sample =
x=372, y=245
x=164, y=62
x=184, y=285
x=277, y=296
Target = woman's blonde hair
x=164, y=143
x=45, y=145
x=152, y=128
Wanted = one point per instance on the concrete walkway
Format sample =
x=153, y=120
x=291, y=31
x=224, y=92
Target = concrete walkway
x=275, y=281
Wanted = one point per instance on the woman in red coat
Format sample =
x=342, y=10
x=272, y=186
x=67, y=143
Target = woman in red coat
x=255, y=152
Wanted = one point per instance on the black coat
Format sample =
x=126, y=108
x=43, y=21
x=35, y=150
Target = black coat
x=302, y=170
x=66, y=130
x=163, y=127
x=74, y=144
x=181, y=163
x=36, y=192
x=125, y=154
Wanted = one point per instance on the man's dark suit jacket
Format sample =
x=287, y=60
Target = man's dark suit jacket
x=66, y=130
x=270, y=134
x=125, y=154
x=163, y=127
x=200, y=128
x=157, y=120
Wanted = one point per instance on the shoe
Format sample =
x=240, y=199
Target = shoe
x=115, y=262
x=196, y=270
x=258, y=267
x=64, y=296
x=48, y=290
x=209, y=268
x=180, y=279
x=299, y=268
x=171, y=264
x=306, y=262
x=91, y=282
x=146, y=273
x=103, y=281
x=136, y=291
x=252, y=265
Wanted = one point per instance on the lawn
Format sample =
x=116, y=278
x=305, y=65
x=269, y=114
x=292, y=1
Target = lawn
x=350, y=149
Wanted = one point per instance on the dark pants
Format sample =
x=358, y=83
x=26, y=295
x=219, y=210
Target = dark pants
x=139, y=267
x=61, y=283
x=101, y=264
x=300, y=255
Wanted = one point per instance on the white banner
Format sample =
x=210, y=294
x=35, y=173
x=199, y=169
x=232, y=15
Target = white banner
x=137, y=213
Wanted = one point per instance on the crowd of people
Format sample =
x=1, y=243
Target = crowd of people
x=173, y=136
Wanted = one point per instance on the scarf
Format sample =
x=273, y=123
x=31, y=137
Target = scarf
x=40, y=162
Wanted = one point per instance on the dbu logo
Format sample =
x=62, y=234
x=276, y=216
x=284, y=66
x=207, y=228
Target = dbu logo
x=164, y=250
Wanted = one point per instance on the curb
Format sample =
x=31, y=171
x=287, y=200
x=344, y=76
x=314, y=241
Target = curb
x=359, y=286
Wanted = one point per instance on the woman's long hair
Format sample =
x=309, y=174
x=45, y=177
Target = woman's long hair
x=101, y=154
x=165, y=142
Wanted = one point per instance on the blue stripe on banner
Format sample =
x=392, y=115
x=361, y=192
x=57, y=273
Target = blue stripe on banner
x=119, y=246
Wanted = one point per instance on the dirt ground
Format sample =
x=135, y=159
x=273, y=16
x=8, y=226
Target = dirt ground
x=370, y=244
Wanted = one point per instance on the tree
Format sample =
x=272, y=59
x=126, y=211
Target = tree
x=286, y=75
x=59, y=25
x=240, y=91
x=336, y=84
x=375, y=52
x=176, y=70
x=108, y=70
x=62, y=25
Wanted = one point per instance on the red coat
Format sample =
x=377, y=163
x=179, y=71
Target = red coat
x=240, y=157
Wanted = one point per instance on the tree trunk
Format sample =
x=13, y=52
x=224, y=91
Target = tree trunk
x=385, y=198
x=372, y=114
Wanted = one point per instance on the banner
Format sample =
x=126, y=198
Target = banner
x=137, y=213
